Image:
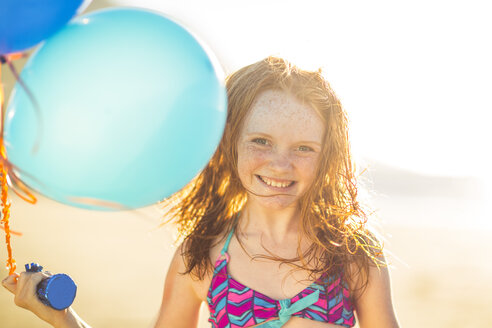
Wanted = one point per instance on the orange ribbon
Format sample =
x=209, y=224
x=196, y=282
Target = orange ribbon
x=8, y=176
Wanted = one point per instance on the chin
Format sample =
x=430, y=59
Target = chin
x=273, y=203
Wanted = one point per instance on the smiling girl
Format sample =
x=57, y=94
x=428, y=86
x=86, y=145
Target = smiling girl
x=274, y=233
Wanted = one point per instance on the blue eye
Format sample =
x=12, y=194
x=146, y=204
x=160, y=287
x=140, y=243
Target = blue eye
x=260, y=141
x=305, y=148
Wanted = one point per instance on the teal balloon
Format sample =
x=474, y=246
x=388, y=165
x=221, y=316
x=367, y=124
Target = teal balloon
x=131, y=106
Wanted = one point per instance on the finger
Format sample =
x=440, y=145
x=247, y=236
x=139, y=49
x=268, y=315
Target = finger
x=26, y=288
x=28, y=281
x=10, y=283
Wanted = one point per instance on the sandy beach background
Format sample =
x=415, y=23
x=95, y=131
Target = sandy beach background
x=436, y=231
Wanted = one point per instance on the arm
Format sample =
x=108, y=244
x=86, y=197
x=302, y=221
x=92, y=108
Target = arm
x=374, y=307
x=23, y=286
x=180, y=302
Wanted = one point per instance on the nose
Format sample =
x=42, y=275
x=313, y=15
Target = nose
x=280, y=161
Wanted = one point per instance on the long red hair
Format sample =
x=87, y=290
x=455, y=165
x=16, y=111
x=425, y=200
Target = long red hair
x=331, y=216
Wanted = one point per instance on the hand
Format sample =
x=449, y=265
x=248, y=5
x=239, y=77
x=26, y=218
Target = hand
x=23, y=287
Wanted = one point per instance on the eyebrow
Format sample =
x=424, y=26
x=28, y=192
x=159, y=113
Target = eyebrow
x=252, y=134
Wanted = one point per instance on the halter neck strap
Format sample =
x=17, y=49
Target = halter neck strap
x=229, y=237
x=226, y=245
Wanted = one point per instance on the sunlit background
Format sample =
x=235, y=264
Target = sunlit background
x=415, y=79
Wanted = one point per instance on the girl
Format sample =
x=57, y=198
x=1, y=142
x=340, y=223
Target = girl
x=274, y=233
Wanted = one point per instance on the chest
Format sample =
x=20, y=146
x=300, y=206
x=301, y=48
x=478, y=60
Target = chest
x=266, y=276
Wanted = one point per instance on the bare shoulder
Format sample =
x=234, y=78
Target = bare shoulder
x=201, y=286
x=180, y=296
x=372, y=295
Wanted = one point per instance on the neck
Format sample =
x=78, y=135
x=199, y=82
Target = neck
x=277, y=226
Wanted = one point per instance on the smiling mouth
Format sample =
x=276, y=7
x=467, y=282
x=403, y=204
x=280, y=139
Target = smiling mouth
x=276, y=184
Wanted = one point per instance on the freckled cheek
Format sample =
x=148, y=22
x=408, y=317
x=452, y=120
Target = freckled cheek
x=254, y=155
x=306, y=166
x=248, y=162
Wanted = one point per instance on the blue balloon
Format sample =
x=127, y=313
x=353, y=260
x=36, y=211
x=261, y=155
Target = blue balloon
x=25, y=23
x=131, y=108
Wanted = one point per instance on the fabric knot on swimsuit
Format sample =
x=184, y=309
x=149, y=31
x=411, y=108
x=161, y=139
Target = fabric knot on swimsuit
x=287, y=309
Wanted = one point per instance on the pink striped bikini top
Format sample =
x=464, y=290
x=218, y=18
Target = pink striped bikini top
x=234, y=305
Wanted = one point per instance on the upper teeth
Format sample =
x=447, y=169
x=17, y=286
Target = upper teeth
x=275, y=183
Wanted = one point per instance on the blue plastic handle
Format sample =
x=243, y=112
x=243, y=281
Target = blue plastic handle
x=57, y=291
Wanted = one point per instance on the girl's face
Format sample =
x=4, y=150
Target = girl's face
x=278, y=149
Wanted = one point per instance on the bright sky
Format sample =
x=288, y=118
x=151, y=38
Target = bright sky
x=414, y=76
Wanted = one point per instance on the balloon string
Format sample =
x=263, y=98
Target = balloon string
x=5, y=218
x=7, y=59
x=3, y=182
x=2, y=60
x=5, y=167
x=19, y=188
x=13, y=180
x=35, y=104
